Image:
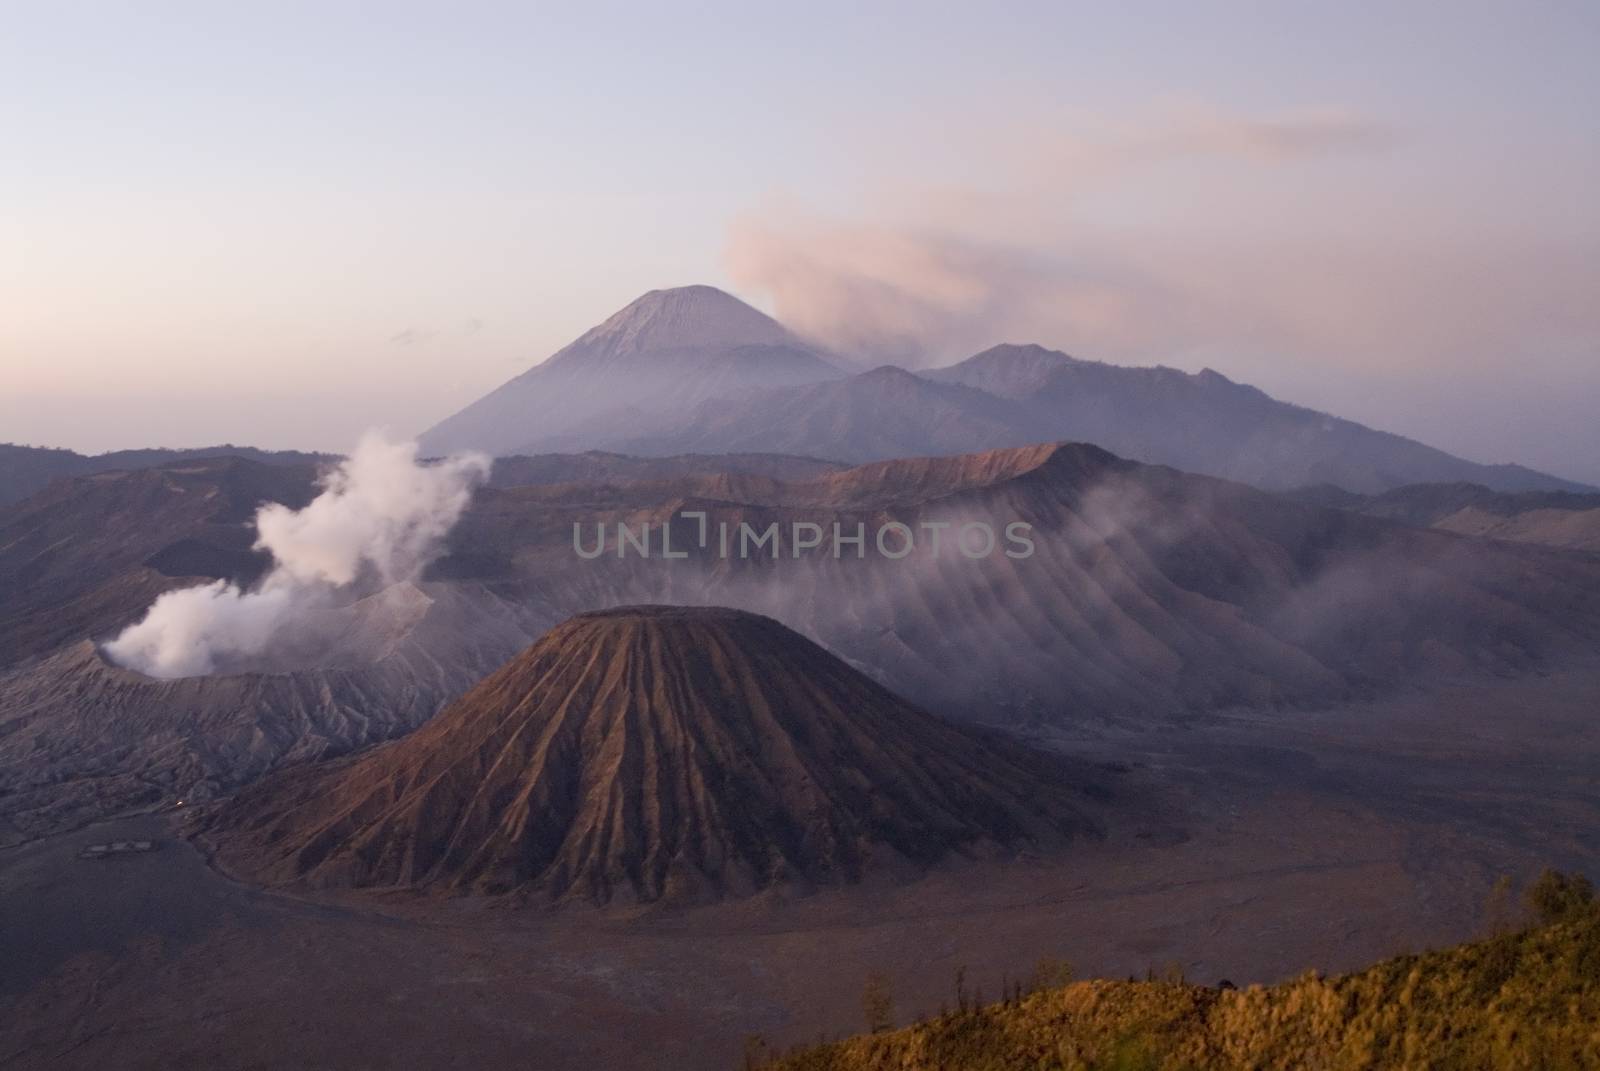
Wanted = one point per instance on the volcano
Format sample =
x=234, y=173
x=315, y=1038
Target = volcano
x=82, y=738
x=649, y=365
x=651, y=753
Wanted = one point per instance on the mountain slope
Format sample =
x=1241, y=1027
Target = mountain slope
x=653, y=752
x=1523, y=1000
x=88, y=555
x=653, y=360
x=1149, y=592
x=884, y=413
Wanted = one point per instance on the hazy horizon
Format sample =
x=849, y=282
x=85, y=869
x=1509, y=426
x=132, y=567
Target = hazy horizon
x=280, y=228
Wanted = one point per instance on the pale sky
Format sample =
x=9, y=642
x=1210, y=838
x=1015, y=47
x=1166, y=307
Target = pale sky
x=281, y=223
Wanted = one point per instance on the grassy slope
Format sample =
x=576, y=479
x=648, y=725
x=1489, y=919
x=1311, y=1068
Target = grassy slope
x=1525, y=1000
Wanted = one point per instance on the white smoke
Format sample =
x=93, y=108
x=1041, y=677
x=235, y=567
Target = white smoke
x=380, y=513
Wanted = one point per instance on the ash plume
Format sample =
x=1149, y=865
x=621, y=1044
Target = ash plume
x=381, y=516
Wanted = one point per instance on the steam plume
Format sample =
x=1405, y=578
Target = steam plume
x=380, y=514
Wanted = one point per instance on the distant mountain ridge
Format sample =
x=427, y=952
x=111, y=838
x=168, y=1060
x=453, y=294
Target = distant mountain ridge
x=520, y=470
x=696, y=370
x=27, y=469
x=1205, y=422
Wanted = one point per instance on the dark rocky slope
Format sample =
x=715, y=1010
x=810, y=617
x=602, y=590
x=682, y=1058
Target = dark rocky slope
x=653, y=752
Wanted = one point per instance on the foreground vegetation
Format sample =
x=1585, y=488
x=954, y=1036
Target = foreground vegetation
x=1523, y=999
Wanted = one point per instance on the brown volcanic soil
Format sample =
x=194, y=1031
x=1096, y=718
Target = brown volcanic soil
x=656, y=752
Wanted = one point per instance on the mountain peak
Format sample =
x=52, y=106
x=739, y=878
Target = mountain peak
x=681, y=318
x=888, y=373
x=1010, y=370
x=656, y=359
x=1022, y=351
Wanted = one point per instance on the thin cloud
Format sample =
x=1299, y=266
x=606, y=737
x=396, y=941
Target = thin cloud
x=412, y=336
x=417, y=336
x=1197, y=130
